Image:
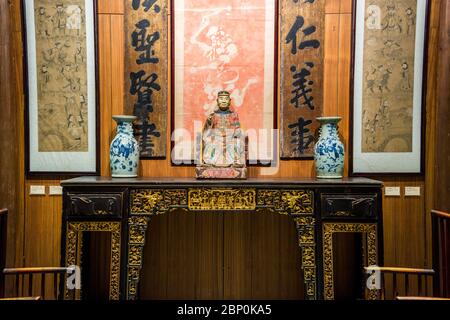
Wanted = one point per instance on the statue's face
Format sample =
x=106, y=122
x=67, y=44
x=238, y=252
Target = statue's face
x=223, y=102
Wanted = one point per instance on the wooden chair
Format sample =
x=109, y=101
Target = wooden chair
x=413, y=282
x=3, y=229
x=28, y=275
x=25, y=277
x=439, y=274
x=440, y=224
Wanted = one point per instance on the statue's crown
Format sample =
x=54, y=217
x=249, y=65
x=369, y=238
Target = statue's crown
x=223, y=93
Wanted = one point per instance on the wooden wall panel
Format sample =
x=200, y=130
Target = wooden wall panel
x=105, y=87
x=431, y=121
x=343, y=83
x=404, y=227
x=332, y=6
x=154, y=280
x=41, y=215
x=330, y=94
x=110, y=6
x=181, y=253
x=346, y=6
x=209, y=243
x=238, y=257
x=11, y=131
x=443, y=110
x=117, y=65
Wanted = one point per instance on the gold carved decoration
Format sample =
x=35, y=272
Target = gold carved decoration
x=157, y=201
x=292, y=202
x=307, y=242
x=369, y=230
x=137, y=227
x=208, y=199
x=74, y=249
x=298, y=201
x=147, y=202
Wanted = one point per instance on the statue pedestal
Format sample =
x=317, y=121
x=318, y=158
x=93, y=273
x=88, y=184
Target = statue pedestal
x=208, y=172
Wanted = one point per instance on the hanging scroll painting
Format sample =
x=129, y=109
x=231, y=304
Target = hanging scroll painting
x=146, y=85
x=224, y=45
x=390, y=39
x=62, y=126
x=302, y=65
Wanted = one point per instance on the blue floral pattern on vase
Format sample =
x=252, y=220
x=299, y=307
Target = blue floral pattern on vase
x=124, y=150
x=329, y=150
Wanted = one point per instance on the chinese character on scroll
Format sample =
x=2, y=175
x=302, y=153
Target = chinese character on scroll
x=302, y=41
x=146, y=82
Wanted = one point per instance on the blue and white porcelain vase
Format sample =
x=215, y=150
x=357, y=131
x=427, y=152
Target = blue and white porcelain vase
x=124, y=150
x=329, y=150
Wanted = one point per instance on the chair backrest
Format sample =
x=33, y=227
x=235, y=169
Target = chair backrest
x=3, y=230
x=441, y=252
x=394, y=282
x=25, y=279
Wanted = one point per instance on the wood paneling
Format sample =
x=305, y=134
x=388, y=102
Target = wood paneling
x=332, y=22
x=443, y=110
x=332, y=6
x=343, y=83
x=42, y=214
x=238, y=257
x=174, y=239
x=110, y=6
x=431, y=121
x=222, y=256
x=11, y=130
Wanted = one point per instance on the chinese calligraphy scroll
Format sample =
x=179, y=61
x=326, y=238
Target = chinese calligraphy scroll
x=302, y=41
x=146, y=84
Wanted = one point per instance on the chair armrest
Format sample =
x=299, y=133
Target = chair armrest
x=402, y=270
x=34, y=270
x=22, y=299
x=421, y=298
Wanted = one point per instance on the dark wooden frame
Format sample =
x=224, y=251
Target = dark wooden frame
x=275, y=159
x=51, y=174
x=423, y=106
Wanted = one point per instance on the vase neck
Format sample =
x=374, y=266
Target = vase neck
x=124, y=127
x=329, y=129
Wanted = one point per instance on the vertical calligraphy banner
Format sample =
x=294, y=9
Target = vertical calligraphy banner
x=302, y=63
x=146, y=85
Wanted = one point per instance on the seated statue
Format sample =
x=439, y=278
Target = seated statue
x=223, y=150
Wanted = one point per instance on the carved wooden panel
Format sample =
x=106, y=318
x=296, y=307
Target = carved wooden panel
x=95, y=204
x=356, y=206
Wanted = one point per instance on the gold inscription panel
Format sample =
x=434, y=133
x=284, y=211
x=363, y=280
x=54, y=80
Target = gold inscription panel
x=204, y=199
